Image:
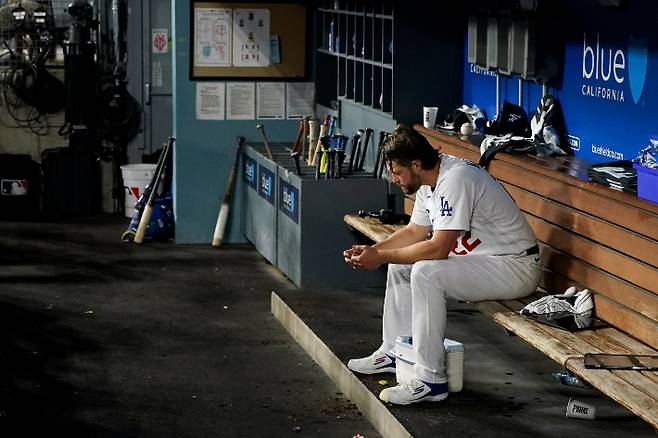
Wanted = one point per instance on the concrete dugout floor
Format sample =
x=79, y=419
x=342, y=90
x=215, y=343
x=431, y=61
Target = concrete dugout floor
x=181, y=341
x=103, y=338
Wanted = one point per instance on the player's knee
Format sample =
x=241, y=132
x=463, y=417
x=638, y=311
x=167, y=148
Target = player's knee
x=394, y=269
x=423, y=268
x=397, y=271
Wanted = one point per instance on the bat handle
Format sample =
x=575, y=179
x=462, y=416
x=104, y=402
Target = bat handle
x=295, y=156
x=143, y=223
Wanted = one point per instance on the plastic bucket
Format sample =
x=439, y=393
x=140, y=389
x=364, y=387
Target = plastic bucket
x=135, y=178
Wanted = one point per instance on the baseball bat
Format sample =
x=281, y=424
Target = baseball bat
x=318, y=146
x=261, y=128
x=382, y=164
x=356, y=148
x=364, y=148
x=222, y=218
x=295, y=157
x=148, y=207
x=297, y=145
x=380, y=145
x=305, y=144
x=313, y=140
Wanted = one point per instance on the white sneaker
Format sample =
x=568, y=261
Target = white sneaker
x=414, y=391
x=576, y=303
x=377, y=362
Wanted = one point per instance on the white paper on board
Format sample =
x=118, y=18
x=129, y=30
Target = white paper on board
x=270, y=100
x=240, y=100
x=251, y=37
x=212, y=37
x=299, y=99
x=210, y=100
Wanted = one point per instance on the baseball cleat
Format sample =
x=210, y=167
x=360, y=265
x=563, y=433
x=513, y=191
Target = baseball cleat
x=377, y=362
x=414, y=391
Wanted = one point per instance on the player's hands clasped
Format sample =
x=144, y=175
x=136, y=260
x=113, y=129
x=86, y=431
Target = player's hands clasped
x=362, y=257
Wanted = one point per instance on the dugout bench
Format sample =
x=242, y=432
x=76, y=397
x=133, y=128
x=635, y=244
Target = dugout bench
x=591, y=237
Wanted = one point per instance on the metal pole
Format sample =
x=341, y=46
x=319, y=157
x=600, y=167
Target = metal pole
x=497, y=93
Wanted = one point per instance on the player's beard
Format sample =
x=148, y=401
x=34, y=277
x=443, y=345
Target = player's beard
x=413, y=185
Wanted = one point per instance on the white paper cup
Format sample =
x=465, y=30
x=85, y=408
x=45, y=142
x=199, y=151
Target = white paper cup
x=429, y=116
x=582, y=410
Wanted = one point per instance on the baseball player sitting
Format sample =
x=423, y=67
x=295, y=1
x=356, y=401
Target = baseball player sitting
x=481, y=248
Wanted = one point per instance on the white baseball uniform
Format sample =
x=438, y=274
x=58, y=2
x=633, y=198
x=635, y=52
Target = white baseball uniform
x=489, y=261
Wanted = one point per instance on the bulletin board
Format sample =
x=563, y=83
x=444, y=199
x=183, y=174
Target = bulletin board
x=208, y=59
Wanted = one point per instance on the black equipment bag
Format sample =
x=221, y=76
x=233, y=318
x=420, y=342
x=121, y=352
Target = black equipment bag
x=70, y=182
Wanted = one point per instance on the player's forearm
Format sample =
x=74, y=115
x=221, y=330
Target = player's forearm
x=425, y=250
x=402, y=238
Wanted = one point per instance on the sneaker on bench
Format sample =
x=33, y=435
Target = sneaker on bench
x=576, y=303
x=414, y=391
x=377, y=362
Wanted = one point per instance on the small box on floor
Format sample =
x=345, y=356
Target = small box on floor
x=406, y=358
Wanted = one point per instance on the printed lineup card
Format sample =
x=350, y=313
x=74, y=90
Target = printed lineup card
x=251, y=37
x=270, y=100
x=210, y=100
x=299, y=99
x=212, y=37
x=240, y=100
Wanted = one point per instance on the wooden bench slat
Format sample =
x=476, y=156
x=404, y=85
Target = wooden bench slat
x=546, y=339
x=527, y=331
x=631, y=322
x=604, y=342
x=587, y=341
x=624, y=339
x=597, y=205
x=620, y=265
x=643, y=380
x=575, y=193
x=554, y=283
x=632, y=345
x=599, y=281
x=625, y=241
x=558, y=168
x=371, y=227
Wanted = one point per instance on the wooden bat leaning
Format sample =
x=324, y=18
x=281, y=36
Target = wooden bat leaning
x=223, y=210
x=148, y=207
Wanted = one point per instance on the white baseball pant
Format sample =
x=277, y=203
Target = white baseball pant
x=415, y=302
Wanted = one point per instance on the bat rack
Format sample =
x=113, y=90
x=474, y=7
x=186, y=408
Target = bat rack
x=296, y=221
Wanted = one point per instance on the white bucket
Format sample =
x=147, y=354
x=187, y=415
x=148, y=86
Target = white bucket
x=406, y=358
x=135, y=178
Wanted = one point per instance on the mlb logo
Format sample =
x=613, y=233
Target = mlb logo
x=13, y=187
x=574, y=142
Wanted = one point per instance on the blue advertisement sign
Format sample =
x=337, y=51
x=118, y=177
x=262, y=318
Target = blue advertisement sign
x=609, y=103
x=266, y=183
x=289, y=200
x=250, y=174
x=609, y=88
